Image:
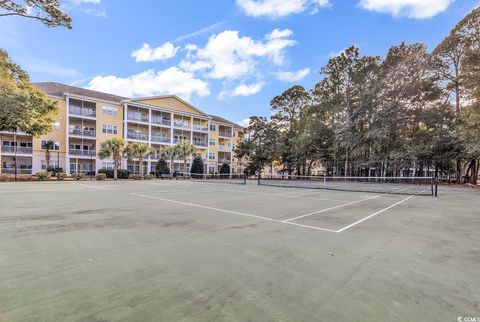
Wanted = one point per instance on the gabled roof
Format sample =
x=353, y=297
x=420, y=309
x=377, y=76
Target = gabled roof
x=60, y=90
x=168, y=96
x=218, y=119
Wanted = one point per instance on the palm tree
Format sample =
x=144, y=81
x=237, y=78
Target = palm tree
x=185, y=149
x=48, y=145
x=139, y=151
x=113, y=148
x=170, y=153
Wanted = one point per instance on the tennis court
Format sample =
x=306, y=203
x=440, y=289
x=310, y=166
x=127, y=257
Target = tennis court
x=196, y=250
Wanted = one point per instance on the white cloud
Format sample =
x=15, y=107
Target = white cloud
x=244, y=122
x=200, y=31
x=147, y=54
x=243, y=90
x=293, y=76
x=151, y=83
x=33, y=65
x=97, y=13
x=87, y=1
x=418, y=9
x=279, y=8
x=227, y=55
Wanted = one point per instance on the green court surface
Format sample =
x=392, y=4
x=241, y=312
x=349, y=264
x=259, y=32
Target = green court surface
x=192, y=251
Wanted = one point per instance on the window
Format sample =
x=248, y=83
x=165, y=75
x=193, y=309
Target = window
x=56, y=126
x=107, y=165
x=211, y=142
x=109, y=129
x=211, y=169
x=234, y=133
x=212, y=127
x=53, y=164
x=109, y=110
x=56, y=145
x=211, y=156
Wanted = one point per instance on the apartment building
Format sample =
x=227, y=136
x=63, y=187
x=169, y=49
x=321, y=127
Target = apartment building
x=87, y=118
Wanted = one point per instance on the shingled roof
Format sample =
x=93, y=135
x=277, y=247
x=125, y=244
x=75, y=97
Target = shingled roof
x=59, y=90
x=219, y=119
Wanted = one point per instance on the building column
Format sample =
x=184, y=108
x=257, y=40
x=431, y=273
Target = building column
x=67, y=136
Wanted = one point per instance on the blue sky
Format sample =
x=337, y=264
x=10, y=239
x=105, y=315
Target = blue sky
x=228, y=57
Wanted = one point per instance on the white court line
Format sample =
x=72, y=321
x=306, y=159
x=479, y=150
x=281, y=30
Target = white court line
x=233, y=212
x=331, y=208
x=93, y=187
x=374, y=214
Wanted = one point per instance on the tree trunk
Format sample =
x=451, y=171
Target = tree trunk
x=474, y=172
x=47, y=159
x=115, y=171
x=171, y=166
x=140, y=166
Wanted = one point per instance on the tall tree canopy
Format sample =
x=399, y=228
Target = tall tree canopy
x=47, y=11
x=21, y=105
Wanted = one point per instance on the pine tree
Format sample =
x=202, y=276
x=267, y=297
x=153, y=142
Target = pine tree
x=197, y=168
x=161, y=168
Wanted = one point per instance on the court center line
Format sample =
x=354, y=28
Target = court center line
x=331, y=208
x=375, y=214
x=232, y=212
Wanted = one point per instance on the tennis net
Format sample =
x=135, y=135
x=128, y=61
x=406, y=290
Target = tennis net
x=234, y=178
x=393, y=185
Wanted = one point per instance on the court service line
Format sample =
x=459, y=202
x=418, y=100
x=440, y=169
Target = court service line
x=232, y=212
x=331, y=208
x=375, y=214
x=93, y=187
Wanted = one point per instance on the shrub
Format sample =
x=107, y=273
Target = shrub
x=26, y=177
x=148, y=177
x=161, y=167
x=54, y=170
x=135, y=177
x=61, y=176
x=122, y=173
x=4, y=177
x=101, y=176
x=225, y=169
x=197, y=167
x=42, y=175
x=78, y=176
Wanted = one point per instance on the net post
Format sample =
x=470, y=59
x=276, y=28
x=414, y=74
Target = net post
x=258, y=179
x=244, y=178
x=432, y=185
x=436, y=187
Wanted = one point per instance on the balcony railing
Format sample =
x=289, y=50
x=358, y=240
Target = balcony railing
x=19, y=171
x=181, y=124
x=137, y=136
x=20, y=150
x=161, y=121
x=159, y=138
x=199, y=127
x=137, y=117
x=200, y=143
x=82, y=152
x=225, y=134
x=179, y=140
x=224, y=147
x=79, y=132
x=88, y=112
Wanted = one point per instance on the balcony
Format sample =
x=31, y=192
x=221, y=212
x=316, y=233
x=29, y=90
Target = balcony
x=137, y=136
x=181, y=124
x=200, y=127
x=175, y=140
x=200, y=143
x=137, y=117
x=222, y=147
x=160, y=138
x=83, y=112
x=222, y=161
x=79, y=152
x=225, y=134
x=20, y=150
x=161, y=121
x=11, y=170
x=79, y=132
